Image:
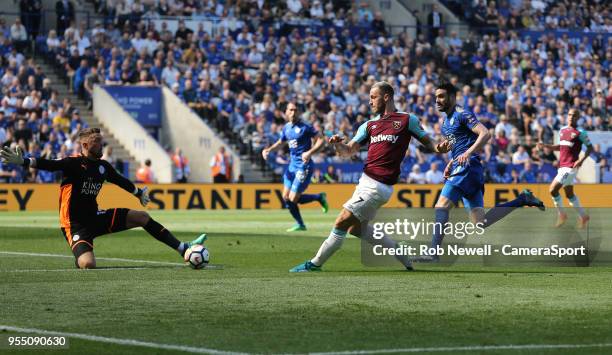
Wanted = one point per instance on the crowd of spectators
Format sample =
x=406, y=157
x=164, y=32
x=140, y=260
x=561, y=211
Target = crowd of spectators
x=32, y=116
x=564, y=15
x=263, y=54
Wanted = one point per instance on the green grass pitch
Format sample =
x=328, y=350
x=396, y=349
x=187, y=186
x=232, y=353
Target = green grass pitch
x=252, y=304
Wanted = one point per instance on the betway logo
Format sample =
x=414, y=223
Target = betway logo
x=384, y=138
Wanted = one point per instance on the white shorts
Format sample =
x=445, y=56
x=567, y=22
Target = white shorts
x=369, y=196
x=566, y=176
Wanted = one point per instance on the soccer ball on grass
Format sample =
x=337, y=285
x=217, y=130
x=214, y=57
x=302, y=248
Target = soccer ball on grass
x=197, y=256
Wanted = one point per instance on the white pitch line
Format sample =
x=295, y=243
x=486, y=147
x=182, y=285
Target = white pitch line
x=199, y=350
x=75, y=269
x=97, y=258
x=469, y=348
x=130, y=342
x=151, y=262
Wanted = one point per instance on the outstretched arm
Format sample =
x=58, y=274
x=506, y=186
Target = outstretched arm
x=430, y=147
x=344, y=149
x=115, y=178
x=272, y=148
x=554, y=147
x=16, y=157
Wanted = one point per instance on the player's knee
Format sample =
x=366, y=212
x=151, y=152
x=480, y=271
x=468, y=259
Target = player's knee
x=139, y=218
x=86, y=263
x=294, y=198
x=345, y=220
x=443, y=203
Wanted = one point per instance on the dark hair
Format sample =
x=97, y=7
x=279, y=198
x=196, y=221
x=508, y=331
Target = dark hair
x=450, y=89
x=384, y=87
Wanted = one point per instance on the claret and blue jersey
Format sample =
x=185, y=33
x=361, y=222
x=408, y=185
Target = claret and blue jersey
x=467, y=181
x=299, y=138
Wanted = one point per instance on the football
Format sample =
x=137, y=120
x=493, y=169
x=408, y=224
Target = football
x=197, y=256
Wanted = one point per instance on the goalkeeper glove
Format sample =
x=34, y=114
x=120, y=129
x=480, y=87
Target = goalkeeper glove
x=143, y=196
x=12, y=157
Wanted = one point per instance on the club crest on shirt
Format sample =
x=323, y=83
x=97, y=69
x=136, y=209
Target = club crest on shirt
x=296, y=129
x=452, y=120
x=101, y=169
x=573, y=135
x=397, y=124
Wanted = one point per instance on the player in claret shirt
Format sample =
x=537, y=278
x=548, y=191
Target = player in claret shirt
x=80, y=219
x=388, y=136
x=571, y=139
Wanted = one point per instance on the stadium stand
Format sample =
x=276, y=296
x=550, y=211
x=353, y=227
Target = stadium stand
x=240, y=76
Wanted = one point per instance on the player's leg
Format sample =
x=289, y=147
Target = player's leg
x=555, y=187
x=525, y=198
x=320, y=197
x=449, y=197
x=298, y=186
x=81, y=245
x=334, y=241
x=366, y=232
x=346, y=221
x=369, y=196
x=302, y=198
x=87, y=260
x=583, y=217
x=128, y=219
x=291, y=184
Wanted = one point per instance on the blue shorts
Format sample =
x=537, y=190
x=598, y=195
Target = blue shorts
x=467, y=183
x=454, y=193
x=297, y=180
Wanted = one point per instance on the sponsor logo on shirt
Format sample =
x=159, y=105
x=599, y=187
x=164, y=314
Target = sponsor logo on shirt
x=384, y=138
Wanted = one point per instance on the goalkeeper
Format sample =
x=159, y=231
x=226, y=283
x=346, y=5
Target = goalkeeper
x=80, y=219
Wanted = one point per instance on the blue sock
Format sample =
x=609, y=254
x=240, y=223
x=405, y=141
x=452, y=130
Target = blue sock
x=309, y=198
x=441, y=219
x=295, y=212
x=502, y=210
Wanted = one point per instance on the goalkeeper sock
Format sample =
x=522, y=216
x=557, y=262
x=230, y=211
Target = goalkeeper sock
x=329, y=246
x=295, y=212
x=441, y=219
x=386, y=243
x=182, y=248
x=162, y=234
x=502, y=210
x=309, y=198
x=575, y=202
x=558, y=202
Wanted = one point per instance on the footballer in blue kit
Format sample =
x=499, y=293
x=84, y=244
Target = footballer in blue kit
x=299, y=136
x=464, y=174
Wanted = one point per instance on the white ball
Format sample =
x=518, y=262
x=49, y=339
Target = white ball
x=197, y=256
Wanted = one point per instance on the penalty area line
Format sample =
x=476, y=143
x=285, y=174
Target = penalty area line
x=97, y=258
x=79, y=270
x=150, y=262
x=119, y=341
